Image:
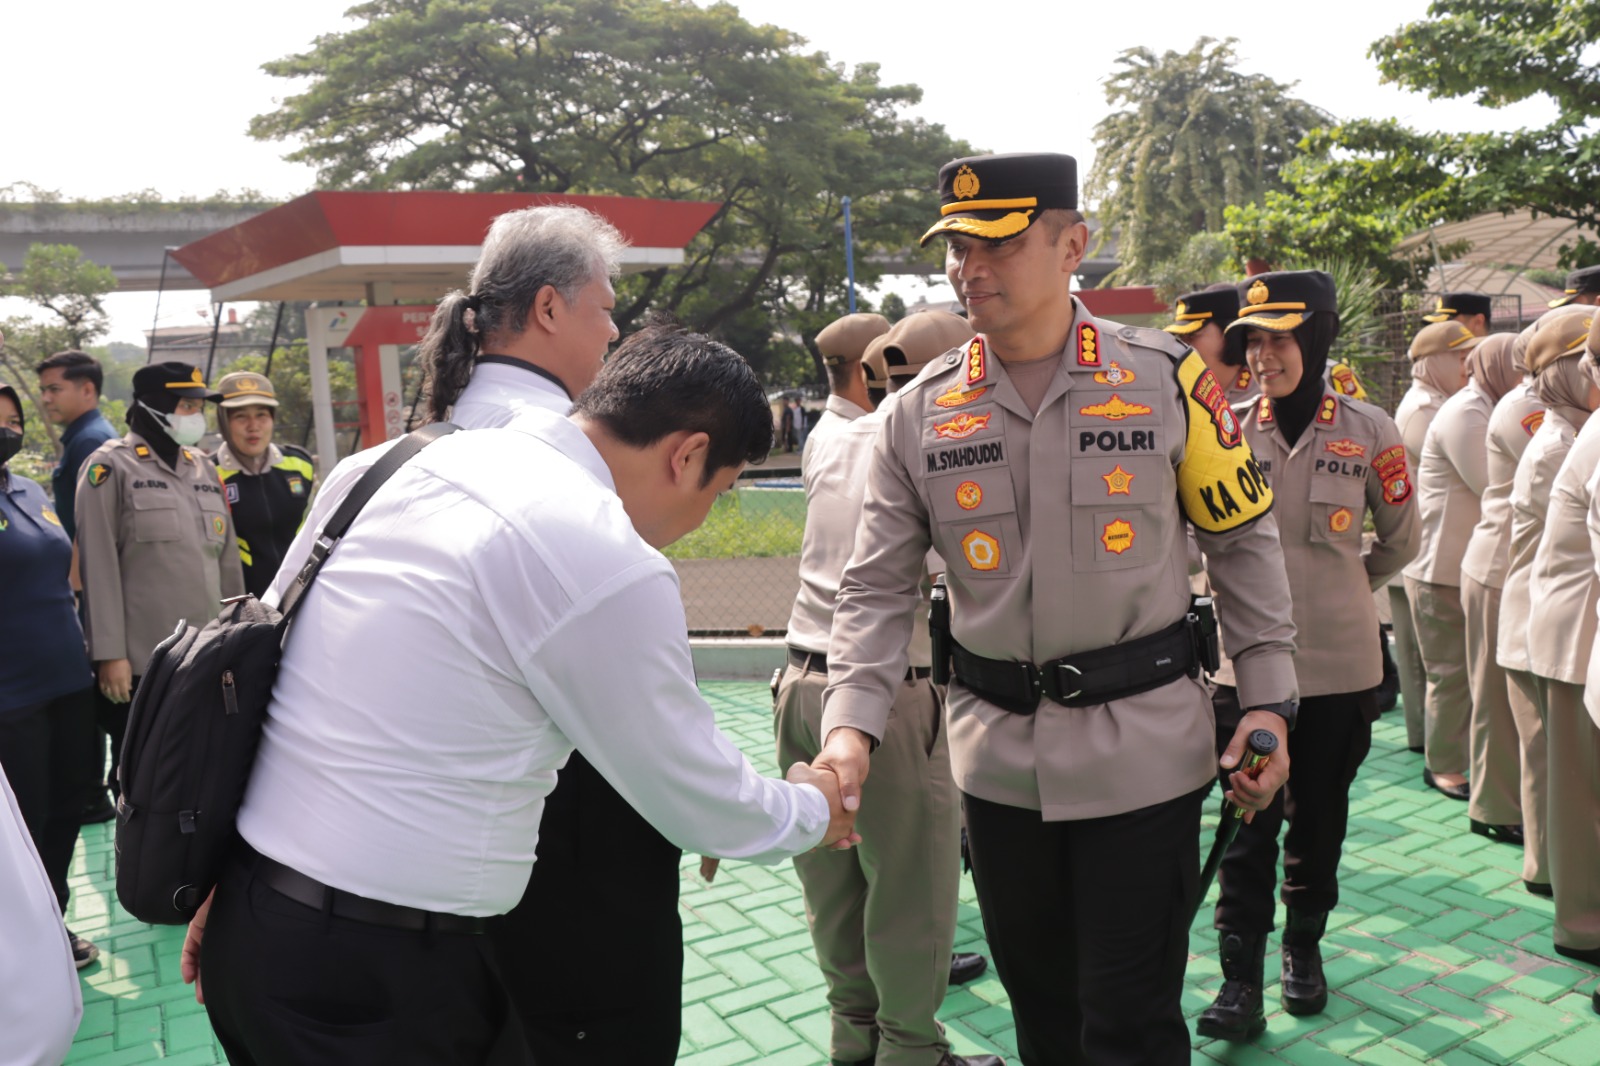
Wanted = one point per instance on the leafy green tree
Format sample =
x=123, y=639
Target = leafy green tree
x=1204, y=259
x=1365, y=184
x=649, y=98
x=1190, y=135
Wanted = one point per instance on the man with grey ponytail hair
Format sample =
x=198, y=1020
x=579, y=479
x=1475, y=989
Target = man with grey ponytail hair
x=535, y=323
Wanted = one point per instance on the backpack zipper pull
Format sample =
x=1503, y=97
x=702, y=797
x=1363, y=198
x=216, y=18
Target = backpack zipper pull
x=229, y=699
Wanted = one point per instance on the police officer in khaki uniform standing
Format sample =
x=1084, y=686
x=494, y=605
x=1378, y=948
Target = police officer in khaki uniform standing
x=1453, y=488
x=1432, y=384
x=156, y=543
x=1331, y=461
x=883, y=918
x=1561, y=633
x=1560, y=382
x=1508, y=751
x=1473, y=310
x=1448, y=508
x=1201, y=318
x=1054, y=461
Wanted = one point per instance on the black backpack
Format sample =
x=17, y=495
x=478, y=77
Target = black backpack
x=195, y=723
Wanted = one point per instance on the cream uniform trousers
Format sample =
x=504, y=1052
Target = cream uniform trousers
x=1439, y=626
x=900, y=882
x=1500, y=781
x=1408, y=660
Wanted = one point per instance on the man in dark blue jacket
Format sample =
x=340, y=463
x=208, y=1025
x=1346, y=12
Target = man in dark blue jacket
x=69, y=392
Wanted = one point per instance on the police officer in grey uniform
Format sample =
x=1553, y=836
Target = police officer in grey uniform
x=156, y=543
x=1582, y=287
x=882, y=916
x=1052, y=462
x=1331, y=461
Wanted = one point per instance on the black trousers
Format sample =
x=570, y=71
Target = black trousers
x=1088, y=924
x=287, y=985
x=112, y=718
x=46, y=750
x=593, y=955
x=1331, y=738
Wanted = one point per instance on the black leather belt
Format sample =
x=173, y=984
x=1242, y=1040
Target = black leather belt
x=310, y=892
x=817, y=663
x=1083, y=679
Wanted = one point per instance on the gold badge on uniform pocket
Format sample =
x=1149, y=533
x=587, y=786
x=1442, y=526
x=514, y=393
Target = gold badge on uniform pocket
x=217, y=525
x=982, y=550
x=1346, y=449
x=968, y=495
x=1117, y=536
x=1115, y=409
x=1339, y=521
x=1119, y=482
x=962, y=426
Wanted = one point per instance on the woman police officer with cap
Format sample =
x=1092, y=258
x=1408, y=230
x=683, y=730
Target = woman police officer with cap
x=155, y=540
x=1330, y=461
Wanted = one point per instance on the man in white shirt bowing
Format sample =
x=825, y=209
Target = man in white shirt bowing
x=457, y=646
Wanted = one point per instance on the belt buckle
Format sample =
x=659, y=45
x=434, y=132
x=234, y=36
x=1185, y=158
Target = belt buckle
x=1052, y=682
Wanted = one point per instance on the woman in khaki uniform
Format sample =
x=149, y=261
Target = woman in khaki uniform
x=1508, y=750
x=1560, y=382
x=1561, y=635
x=1435, y=377
x=1330, y=461
x=1449, y=480
x=1466, y=434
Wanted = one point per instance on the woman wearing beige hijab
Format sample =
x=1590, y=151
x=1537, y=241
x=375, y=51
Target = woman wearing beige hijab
x=1438, y=371
x=1561, y=636
x=1570, y=396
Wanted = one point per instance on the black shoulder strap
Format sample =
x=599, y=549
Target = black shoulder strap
x=363, y=491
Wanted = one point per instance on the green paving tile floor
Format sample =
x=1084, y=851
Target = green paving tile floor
x=1435, y=954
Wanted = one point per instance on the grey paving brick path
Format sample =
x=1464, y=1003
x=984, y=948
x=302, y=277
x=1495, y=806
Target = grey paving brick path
x=1436, y=953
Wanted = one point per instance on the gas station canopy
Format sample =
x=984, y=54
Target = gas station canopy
x=413, y=246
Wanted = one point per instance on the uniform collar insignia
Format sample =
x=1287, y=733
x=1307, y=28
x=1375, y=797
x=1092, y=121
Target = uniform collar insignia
x=1328, y=413
x=1088, y=344
x=977, y=362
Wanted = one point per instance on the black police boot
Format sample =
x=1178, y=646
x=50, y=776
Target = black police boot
x=1237, y=1013
x=1305, y=989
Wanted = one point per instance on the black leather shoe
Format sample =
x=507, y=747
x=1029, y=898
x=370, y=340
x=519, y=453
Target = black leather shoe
x=1237, y=1013
x=1416, y=749
x=1502, y=834
x=1540, y=888
x=1588, y=955
x=966, y=966
x=952, y=1059
x=857, y=1062
x=1305, y=989
x=1596, y=1001
x=1455, y=792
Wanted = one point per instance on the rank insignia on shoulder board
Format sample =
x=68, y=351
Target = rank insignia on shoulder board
x=98, y=474
x=1088, y=345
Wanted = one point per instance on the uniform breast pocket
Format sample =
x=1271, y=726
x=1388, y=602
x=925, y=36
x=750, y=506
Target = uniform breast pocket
x=155, y=517
x=1337, y=507
x=1116, y=510
x=213, y=516
x=976, y=515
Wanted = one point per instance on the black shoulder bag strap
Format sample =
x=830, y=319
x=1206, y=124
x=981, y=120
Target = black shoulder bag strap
x=363, y=491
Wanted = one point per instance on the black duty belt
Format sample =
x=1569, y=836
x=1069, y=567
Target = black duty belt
x=1083, y=679
x=310, y=892
x=817, y=663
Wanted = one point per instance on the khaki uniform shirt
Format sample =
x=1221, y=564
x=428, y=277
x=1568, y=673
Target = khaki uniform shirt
x=1512, y=425
x=834, y=467
x=155, y=546
x=1561, y=586
x=1530, y=500
x=1063, y=531
x=1451, y=476
x=1347, y=462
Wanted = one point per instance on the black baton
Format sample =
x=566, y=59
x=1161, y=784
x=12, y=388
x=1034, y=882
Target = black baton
x=1259, y=749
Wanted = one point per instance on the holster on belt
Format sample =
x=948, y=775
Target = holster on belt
x=1202, y=621
x=1083, y=679
x=939, y=631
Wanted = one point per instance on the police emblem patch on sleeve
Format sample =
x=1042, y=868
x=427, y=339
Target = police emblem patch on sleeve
x=1220, y=484
x=1532, y=423
x=98, y=474
x=1208, y=393
x=1391, y=467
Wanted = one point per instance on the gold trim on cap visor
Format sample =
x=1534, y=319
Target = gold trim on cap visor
x=1183, y=329
x=988, y=229
x=1254, y=308
x=1280, y=324
x=989, y=205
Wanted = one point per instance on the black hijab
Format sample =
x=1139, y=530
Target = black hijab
x=1294, y=412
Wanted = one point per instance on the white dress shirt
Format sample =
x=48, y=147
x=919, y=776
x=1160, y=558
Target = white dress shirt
x=494, y=395
x=491, y=609
x=40, y=1000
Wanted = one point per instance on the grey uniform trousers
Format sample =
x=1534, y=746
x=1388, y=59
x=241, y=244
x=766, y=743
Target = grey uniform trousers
x=1496, y=749
x=1413, y=678
x=1574, y=812
x=1440, y=630
x=883, y=914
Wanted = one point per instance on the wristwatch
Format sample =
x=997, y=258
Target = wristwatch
x=1288, y=710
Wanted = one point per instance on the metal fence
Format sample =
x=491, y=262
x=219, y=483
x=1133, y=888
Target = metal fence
x=1386, y=369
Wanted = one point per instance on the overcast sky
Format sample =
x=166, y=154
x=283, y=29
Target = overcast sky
x=159, y=95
